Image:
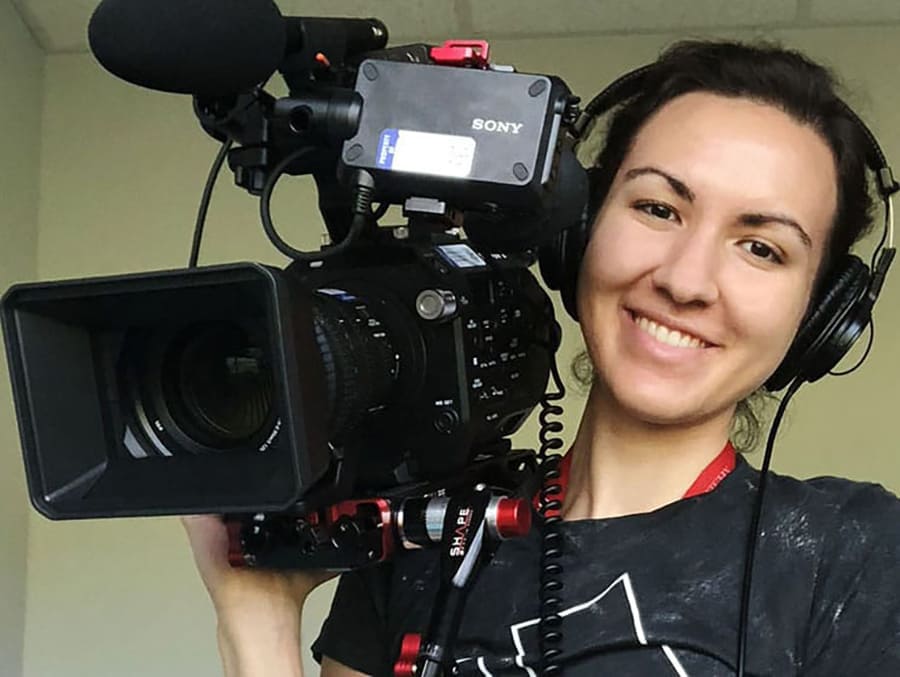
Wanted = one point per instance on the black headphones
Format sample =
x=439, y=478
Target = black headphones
x=834, y=321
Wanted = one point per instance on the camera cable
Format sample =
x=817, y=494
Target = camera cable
x=205, y=200
x=363, y=192
x=550, y=509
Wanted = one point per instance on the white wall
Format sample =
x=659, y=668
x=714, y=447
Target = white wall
x=121, y=173
x=21, y=80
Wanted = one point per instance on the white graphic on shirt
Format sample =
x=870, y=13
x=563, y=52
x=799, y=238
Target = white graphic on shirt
x=625, y=582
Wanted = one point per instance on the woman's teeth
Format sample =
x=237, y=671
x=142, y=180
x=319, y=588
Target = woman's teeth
x=671, y=337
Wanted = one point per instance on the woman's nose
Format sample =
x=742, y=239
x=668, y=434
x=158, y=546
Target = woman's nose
x=687, y=273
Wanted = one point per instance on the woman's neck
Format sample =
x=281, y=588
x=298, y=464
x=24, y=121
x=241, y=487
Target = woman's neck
x=624, y=466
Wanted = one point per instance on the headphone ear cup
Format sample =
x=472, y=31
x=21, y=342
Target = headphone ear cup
x=560, y=260
x=559, y=263
x=830, y=328
x=551, y=259
x=574, y=244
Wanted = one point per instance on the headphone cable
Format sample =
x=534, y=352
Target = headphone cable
x=754, y=532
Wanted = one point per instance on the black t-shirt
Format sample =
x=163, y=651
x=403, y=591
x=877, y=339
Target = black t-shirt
x=659, y=593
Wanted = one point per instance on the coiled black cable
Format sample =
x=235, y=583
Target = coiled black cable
x=550, y=508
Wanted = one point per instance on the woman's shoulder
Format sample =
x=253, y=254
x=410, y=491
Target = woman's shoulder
x=853, y=523
x=855, y=610
x=838, y=498
x=834, y=520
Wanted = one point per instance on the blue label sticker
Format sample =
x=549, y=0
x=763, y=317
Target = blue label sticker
x=339, y=294
x=387, y=147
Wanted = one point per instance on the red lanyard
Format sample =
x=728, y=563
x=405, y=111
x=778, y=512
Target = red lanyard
x=708, y=479
x=715, y=472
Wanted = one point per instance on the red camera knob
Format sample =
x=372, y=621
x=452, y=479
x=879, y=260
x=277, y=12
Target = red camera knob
x=513, y=517
x=409, y=654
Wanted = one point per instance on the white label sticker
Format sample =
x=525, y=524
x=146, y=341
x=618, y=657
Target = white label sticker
x=403, y=150
x=461, y=255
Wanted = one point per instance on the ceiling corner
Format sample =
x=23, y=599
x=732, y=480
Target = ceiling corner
x=33, y=23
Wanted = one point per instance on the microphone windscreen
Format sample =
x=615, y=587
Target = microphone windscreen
x=203, y=47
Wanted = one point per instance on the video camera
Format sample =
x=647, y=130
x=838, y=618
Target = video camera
x=395, y=361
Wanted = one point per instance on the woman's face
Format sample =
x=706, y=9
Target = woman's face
x=702, y=259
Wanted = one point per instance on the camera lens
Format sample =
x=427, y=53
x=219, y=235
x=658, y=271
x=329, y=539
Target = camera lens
x=218, y=385
x=361, y=363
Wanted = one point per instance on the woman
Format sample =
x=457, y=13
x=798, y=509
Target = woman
x=725, y=190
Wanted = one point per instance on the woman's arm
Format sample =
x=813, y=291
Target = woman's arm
x=258, y=611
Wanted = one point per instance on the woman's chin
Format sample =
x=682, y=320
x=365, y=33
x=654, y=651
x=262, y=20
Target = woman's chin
x=664, y=406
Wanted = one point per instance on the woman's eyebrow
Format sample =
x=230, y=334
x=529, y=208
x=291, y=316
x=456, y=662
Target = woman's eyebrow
x=754, y=219
x=677, y=185
x=759, y=219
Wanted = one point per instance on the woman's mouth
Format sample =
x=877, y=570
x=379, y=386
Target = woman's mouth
x=667, y=335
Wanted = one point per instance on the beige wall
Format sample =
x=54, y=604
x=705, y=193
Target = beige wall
x=21, y=79
x=121, y=173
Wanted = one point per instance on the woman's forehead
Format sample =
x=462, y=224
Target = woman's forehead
x=730, y=149
x=712, y=123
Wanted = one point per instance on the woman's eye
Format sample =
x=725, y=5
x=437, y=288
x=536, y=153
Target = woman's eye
x=761, y=250
x=658, y=211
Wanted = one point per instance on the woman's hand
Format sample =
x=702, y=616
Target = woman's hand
x=258, y=611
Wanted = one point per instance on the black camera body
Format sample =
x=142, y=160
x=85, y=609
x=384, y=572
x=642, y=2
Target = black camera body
x=458, y=351
x=399, y=362
x=393, y=360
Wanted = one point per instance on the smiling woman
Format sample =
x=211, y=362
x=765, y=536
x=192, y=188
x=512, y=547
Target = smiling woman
x=698, y=233
x=729, y=185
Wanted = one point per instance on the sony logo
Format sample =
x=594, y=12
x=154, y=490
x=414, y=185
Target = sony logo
x=499, y=126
